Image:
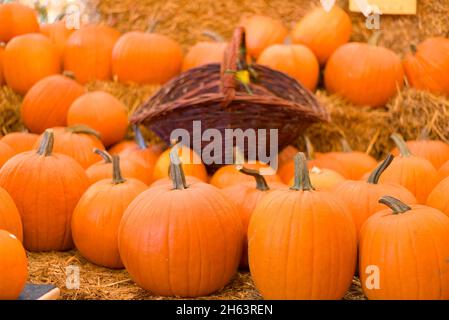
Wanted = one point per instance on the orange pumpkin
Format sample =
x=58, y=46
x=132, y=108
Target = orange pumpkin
x=262, y=32
x=323, y=31
x=230, y=175
x=13, y=266
x=46, y=187
x=9, y=215
x=205, y=52
x=122, y=146
x=47, y=103
x=364, y=73
x=426, y=66
x=88, y=53
x=192, y=164
x=323, y=179
x=146, y=58
x=58, y=34
x=438, y=198
x=6, y=153
x=302, y=243
x=296, y=60
x=362, y=197
x=2, y=52
x=20, y=141
x=410, y=241
x=16, y=19
x=97, y=216
x=102, y=112
x=76, y=142
x=286, y=155
x=443, y=172
x=415, y=173
x=28, y=59
x=168, y=237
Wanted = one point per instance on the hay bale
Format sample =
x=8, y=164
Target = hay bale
x=9, y=111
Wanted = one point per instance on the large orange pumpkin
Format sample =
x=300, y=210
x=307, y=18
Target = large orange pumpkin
x=102, y=112
x=406, y=249
x=58, y=34
x=415, y=173
x=28, y=59
x=296, y=60
x=97, y=216
x=2, y=52
x=364, y=73
x=230, y=175
x=47, y=103
x=205, y=52
x=13, y=266
x=6, y=153
x=146, y=58
x=179, y=240
x=262, y=32
x=88, y=53
x=426, y=67
x=323, y=31
x=302, y=243
x=362, y=197
x=46, y=187
x=76, y=142
x=20, y=141
x=16, y=19
x=9, y=215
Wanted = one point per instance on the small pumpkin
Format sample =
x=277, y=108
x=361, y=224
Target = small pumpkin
x=47, y=103
x=426, y=66
x=46, y=187
x=13, y=266
x=323, y=179
x=76, y=142
x=407, y=240
x=323, y=31
x=415, y=173
x=122, y=146
x=296, y=60
x=97, y=216
x=9, y=215
x=301, y=224
x=438, y=198
x=58, y=34
x=286, y=155
x=262, y=32
x=88, y=52
x=230, y=175
x=16, y=19
x=6, y=153
x=181, y=240
x=443, y=172
x=20, y=141
x=364, y=73
x=102, y=112
x=205, y=52
x=20, y=67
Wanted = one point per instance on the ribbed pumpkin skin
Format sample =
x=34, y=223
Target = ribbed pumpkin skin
x=6, y=153
x=146, y=58
x=443, y=172
x=410, y=250
x=302, y=245
x=13, y=266
x=88, y=53
x=78, y=146
x=364, y=74
x=354, y=163
x=427, y=68
x=58, y=34
x=20, y=69
x=438, y=198
x=323, y=32
x=20, y=141
x=130, y=169
x=228, y=176
x=122, y=146
x=46, y=191
x=47, y=103
x=9, y=215
x=297, y=61
x=323, y=179
x=435, y=151
x=203, y=53
x=96, y=220
x=181, y=242
x=16, y=19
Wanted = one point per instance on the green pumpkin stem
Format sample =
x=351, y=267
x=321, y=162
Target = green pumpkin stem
x=401, y=145
x=117, y=177
x=309, y=148
x=375, y=175
x=104, y=154
x=345, y=145
x=46, y=146
x=81, y=128
x=261, y=183
x=302, y=177
x=394, y=204
x=138, y=137
x=176, y=172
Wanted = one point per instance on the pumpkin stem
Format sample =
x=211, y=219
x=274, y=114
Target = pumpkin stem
x=105, y=155
x=374, y=39
x=69, y=74
x=413, y=48
x=138, y=137
x=394, y=204
x=46, y=146
x=81, y=128
x=176, y=172
x=309, y=148
x=261, y=183
x=117, y=177
x=424, y=134
x=152, y=25
x=345, y=145
x=302, y=177
x=401, y=145
x=375, y=175
x=213, y=35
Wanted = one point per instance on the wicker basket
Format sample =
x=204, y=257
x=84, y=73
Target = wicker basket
x=213, y=94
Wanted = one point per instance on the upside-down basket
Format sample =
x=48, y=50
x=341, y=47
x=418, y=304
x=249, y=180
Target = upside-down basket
x=214, y=95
